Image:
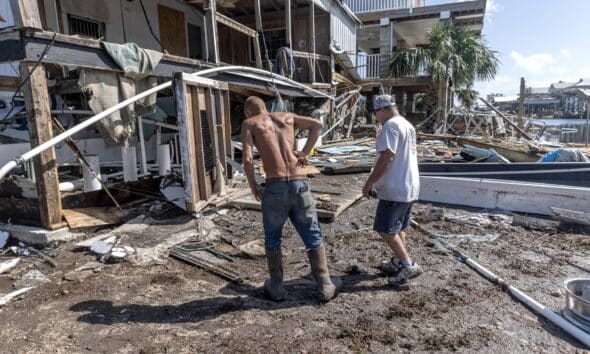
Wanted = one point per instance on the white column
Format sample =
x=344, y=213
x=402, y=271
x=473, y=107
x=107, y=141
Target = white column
x=129, y=158
x=164, y=167
x=92, y=179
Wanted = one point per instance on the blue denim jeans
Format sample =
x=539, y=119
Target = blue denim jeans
x=293, y=200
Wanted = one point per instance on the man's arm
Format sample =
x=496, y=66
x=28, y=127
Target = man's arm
x=315, y=129
x=313, y=126
x=247, y=143
x=379, y=170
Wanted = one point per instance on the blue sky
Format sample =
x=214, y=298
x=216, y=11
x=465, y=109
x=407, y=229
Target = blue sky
x=543, y=41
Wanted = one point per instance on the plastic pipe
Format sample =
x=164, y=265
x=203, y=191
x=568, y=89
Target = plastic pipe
x=531, y=303
x=164, y=166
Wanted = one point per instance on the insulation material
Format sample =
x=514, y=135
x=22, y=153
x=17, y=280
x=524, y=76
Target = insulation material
x=105, y=89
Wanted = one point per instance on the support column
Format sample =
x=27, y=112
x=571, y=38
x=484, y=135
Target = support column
x=40, y=131
x=411, y=103
x=259, y=30
x=288, y=25
x=385, y=46
x=312, y=39
x=521, y=111
x=211, y=25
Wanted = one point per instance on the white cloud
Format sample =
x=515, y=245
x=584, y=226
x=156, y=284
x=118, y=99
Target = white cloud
x=492, y=7
x=566, y=53
x=534, y=63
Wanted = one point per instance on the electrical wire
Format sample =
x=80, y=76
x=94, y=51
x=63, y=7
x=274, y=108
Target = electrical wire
x=23, y=82
x=145, y=15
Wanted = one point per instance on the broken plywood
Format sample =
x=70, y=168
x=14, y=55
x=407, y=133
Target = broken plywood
x=90, y=217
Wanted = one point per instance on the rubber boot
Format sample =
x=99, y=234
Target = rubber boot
x=328, y=288
x=274, y=285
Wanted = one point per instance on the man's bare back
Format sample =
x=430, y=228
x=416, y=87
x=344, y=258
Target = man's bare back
x=274, y=135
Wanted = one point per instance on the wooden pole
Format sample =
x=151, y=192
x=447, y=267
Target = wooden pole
x=211, y=23
x=258, y=16
x=312, y=40
x=288, y=24
x=522, y=132
x=521, y=103
x=40, y=131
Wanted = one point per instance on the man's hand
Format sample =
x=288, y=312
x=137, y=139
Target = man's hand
x=301, y=159
x=257, y=191
x=367, y=189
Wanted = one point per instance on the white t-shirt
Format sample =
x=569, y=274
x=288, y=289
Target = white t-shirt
x=401, y=181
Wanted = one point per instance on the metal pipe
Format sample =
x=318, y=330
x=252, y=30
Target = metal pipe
x=531, y=303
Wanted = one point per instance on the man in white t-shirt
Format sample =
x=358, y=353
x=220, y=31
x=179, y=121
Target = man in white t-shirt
x=396, y=182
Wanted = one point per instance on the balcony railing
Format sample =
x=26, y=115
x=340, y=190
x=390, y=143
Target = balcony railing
x=362, y=6
x=369, y=66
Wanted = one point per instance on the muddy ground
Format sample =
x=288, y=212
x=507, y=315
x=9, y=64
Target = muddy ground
x=177, y=308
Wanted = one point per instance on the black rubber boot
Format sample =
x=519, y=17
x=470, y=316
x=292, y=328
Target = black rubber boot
x=328, y=288
x=274, y=285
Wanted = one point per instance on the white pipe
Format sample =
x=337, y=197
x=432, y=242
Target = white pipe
x=90, y=121
x=70, y=186
x=142, y=145
x=129, y=158
x=91, y=174
x=540, y=309
x=164, y=166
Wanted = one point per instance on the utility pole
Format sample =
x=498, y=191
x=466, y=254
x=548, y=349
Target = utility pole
x=521, y=104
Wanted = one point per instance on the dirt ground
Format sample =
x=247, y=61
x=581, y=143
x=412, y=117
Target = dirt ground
x=175, y=307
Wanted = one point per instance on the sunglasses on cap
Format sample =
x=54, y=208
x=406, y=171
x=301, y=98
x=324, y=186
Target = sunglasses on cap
x=379, y=109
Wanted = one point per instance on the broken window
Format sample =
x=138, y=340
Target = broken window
x=86, y=27
x=194, y=42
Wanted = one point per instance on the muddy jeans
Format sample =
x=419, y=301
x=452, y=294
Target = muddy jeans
x=293, y=200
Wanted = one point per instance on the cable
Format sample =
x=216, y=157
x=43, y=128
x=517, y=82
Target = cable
x=41, y=57
x=145, y=15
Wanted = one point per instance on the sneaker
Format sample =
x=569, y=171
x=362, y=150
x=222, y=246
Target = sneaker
x=405, y=274
x=392, y=267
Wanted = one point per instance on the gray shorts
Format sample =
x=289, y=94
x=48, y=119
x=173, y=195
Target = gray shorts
x=392, y=217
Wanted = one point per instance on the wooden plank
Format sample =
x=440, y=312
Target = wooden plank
x=184, y=108
x=26, y=14
x=571, y=216
x=534, y=198
x=41, y=130
x=227, y=124
x=9, y=83
x=507, y=120
x=197, y=102
x=343, y=202
x=172, y=30
x=235, y=25
x=212, y=121
x=90, y=217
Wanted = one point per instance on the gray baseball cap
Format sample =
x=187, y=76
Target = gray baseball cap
x=382, y=101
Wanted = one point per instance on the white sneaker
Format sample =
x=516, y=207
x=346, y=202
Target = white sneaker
x=405, y=274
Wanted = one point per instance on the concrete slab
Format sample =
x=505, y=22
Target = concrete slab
x=37, y=236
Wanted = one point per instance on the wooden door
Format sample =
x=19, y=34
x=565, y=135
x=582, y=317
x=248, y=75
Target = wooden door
x=172, y=30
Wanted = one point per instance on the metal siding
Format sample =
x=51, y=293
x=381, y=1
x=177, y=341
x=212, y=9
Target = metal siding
x=343, y=30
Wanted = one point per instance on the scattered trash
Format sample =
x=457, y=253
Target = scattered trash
x=254, y=249
x=32, y=278
x=4, y=236
x=458, y=239
x=6, y=298
x=188, y=256
x=102, y=247
x=8, y=265
x=146, y=256
x=84, y=271
x=120, y=252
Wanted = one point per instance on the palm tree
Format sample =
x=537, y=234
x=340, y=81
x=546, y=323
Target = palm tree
x=454, y=56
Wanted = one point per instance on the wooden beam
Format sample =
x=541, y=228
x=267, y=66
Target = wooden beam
x=571, y=216
x=522, y=132
x=257, y=52
x=235, y=25
x=9, y=83
x=521, y=103
x=41, y=130
x=312, y=38
x=26, y=14
x=259, y=29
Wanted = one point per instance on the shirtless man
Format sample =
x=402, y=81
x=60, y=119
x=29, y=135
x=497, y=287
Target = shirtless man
x=287, y=193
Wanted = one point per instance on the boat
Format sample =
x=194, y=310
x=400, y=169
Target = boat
x=562, y=173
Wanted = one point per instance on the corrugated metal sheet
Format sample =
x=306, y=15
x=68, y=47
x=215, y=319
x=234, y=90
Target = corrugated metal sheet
x=363, y=6
x=6, y=13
